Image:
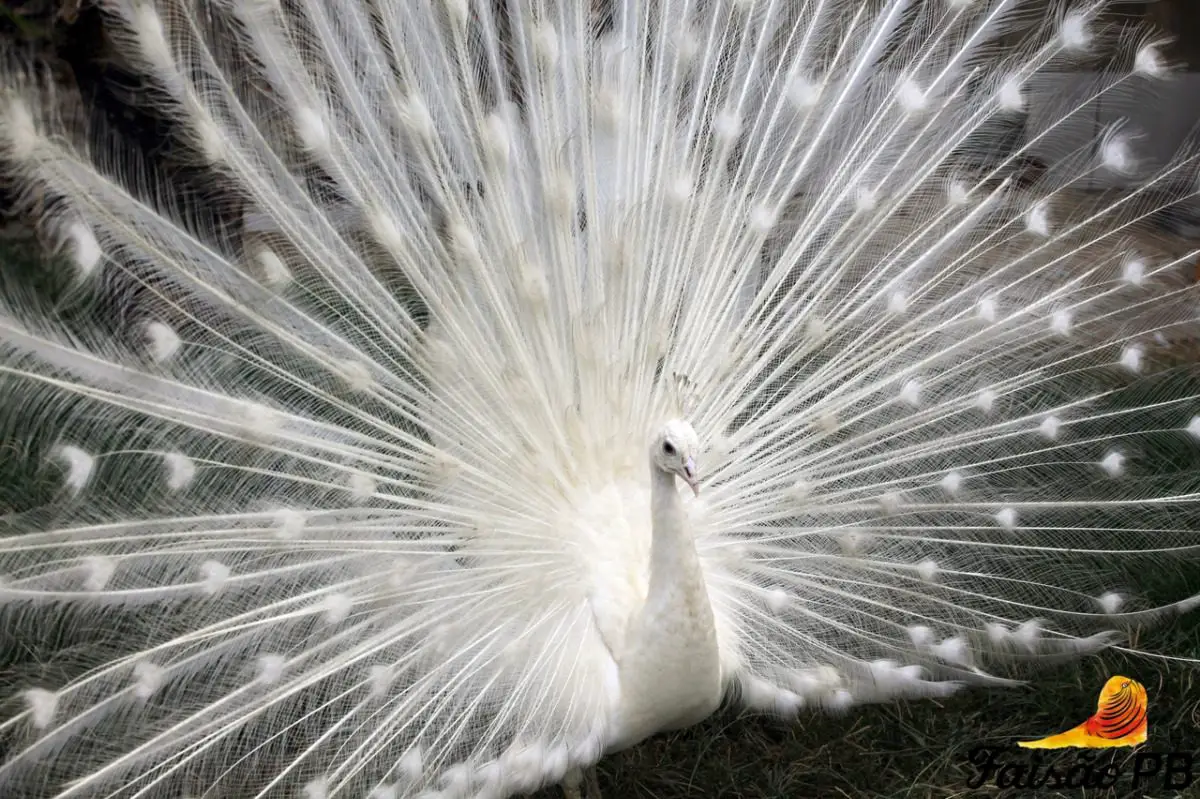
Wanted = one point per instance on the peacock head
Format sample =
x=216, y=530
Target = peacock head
x=674, y=451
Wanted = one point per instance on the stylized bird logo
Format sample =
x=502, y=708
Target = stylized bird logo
x=1119, y=720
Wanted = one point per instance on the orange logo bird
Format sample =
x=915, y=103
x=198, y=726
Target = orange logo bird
x=1119, y=720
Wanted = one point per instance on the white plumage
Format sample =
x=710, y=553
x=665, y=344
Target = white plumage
x=383, y=489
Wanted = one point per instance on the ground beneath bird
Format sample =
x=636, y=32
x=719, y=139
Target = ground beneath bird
x=921, y=749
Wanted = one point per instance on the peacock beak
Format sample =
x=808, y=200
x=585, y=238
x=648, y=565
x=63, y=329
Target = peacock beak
x=690, y=475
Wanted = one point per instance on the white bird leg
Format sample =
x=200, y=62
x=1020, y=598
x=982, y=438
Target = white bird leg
x=591, y=789
x=587, y=778
x=571, y=782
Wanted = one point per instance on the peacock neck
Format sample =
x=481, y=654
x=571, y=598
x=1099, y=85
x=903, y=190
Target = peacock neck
x=675, y=575
x=670, y=671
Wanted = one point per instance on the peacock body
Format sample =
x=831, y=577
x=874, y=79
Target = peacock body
x=567, y=368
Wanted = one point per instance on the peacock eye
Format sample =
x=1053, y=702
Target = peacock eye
x=668, y=448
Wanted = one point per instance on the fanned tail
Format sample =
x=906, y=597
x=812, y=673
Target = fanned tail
x=327, y=416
